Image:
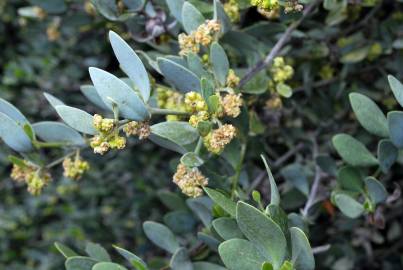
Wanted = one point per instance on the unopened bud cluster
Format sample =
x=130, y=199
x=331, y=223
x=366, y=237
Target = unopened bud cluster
x=108, y=137
x=232, y=9
x=204, y=35
x=171, y=100
x=36, y=179
x=74, y=169
x=190, y=180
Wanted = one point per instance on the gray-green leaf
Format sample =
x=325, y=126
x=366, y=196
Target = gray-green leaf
x=369, y=115
x=131, y=64
x=262, y=231
x=79, y=263
x=161, y=236
x=239, y=254
x=97, y=252
x=376, y=190
x=191, y=17
x=348, y=205
x=182, y=78
x=8, y=109
x=113, y=91
x=108, y=266
x=223, y=201
x=302, y=256
x=57, y=132
x=387, y=154
x=14, y=135
x=219, y=61
x=352, y=151
x=397, y=89
x=77, y=119
x=180, y=260
x=395, y=124
x=227, y=228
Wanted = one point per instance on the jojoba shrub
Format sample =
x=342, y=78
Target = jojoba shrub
x=192, y=135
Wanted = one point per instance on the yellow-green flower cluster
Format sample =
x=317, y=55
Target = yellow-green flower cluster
x=280, y=71
x=265, y=4
x=74, y=169
x=217, y=139
x=171, y=100
x=232, y=79
x=197, y=107
x=232, y=9
x=108, y=137
x=36, y=179
x=141, y=129
x=374, y=51
x=190, y=180
x=204, y=35
x=326, y=72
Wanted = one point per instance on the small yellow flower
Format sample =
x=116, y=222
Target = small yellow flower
x=198, y=117
x=141, y=129
x=190, y=181
x=75, y=169
x=202, y=35
x=232, y=10
x=194, y=102
x=265, y=4
x=280, y=71
x=99, y=145
x=232, y=79
x=37, y=181
x=326, y=72
x=231, y=104
x=103, y=125
x=117, y=142
x=374, y=51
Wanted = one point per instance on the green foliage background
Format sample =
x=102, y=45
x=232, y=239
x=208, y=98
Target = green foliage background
x=121, y=191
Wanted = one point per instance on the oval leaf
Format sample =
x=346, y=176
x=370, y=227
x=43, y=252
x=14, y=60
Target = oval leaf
x=131, y=64
x=113, y=90
x=395, y=125
x=220, y=63
x=77, y=119
x=191, y=17
x=352, y=151
x=183, y=79
x=397, y=89
x=227, y=228
x=97, y=252
x=181, y=133
x=274, y=194
x=239, y=254
x=349, y=206
x=376, y=190
x=8, y=109
x=369, y=115
x=91, y=94
x=57, y=132
x=223, y=201
x=14, y=135
x=387, y=154
x=262, y=231
x=108, y=266
x=180, y=260
x=302, y=256
x=79, y=263
x=161, y=236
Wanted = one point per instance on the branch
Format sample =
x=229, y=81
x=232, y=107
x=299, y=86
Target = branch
x=278, y=46
x=316, y=181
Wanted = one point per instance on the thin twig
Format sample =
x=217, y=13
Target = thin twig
x=278, y=46
x=316, y=181
x=321, y=249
